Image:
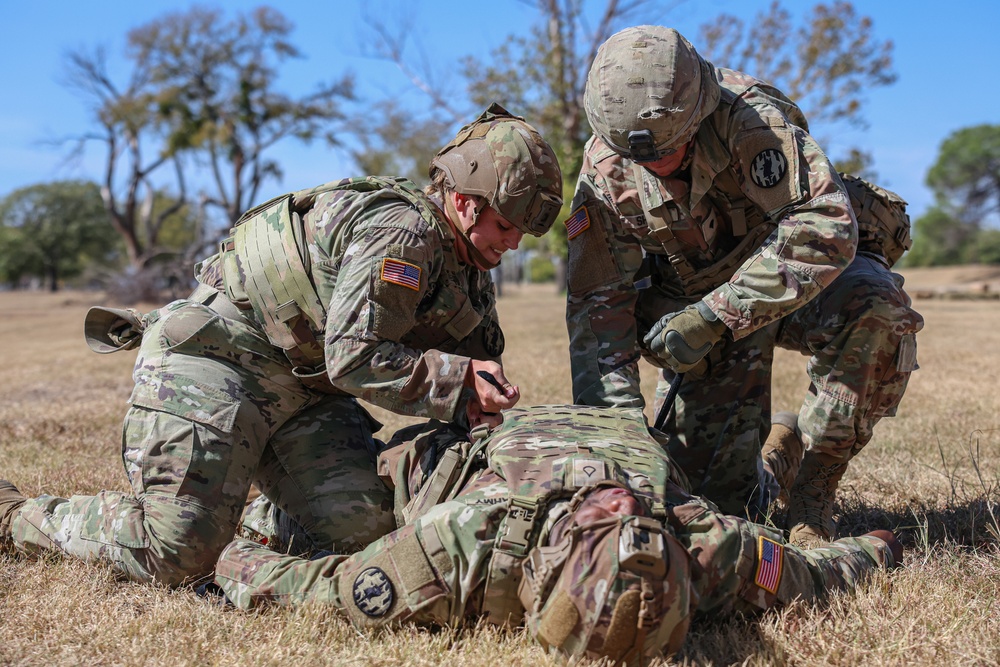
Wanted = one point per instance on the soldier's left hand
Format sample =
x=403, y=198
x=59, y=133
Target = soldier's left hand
x=682, y=339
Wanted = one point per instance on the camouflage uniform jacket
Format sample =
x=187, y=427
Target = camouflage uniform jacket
x=398, y=314
x=757, y=212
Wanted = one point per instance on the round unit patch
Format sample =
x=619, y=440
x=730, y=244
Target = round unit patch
x=493, y=340
x=768, y=168
x=373, y=593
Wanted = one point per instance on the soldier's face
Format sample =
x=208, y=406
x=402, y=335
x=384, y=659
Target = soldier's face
x=669, y=164
x=489, y=232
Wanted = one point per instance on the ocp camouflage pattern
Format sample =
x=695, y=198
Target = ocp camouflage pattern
x=442, y=566
x=217, y=405
x=861, y=343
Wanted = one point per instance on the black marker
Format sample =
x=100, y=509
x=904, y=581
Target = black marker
x=486, y=375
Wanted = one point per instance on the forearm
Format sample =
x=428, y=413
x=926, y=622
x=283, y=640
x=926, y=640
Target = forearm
x=603, y=351
x=427, y=572
x=744, y=566
x=398, y=378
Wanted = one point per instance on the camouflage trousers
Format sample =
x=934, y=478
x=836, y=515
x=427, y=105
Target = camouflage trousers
x=216, y=407
x=859, y=335
x=433, y=570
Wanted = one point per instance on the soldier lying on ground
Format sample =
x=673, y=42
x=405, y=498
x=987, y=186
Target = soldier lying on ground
x=572, y=519
x=365, y=288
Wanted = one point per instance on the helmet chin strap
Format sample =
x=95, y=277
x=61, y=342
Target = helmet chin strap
x=477, y=257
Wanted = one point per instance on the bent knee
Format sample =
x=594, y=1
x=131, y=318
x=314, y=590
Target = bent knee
x=183, y=540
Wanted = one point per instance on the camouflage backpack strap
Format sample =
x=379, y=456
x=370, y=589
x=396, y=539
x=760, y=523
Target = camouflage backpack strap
x=450, y=471
x=659, y=219
x=883, y=224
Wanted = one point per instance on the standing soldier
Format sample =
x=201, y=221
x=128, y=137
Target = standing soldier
x=362, y=288
x=570, y=518
x=708, y=227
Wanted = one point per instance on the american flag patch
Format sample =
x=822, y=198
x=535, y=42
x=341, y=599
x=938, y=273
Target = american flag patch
x=401, y=273
x=770, y=556
x=577, y=223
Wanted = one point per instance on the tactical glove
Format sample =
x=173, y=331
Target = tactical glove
x=682, y=339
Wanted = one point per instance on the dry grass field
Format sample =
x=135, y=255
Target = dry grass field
x=932, y=473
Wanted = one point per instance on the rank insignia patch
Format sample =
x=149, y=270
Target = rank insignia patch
x=770, y=558
x=577, y=223
x=373, y=593
x=768, y=168
x=401, y=273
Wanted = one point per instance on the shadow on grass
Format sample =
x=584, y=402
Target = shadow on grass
x=969, y=522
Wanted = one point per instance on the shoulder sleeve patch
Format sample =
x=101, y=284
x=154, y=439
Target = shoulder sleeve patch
x=577, y=223
x=373, y=592
x=770, y=558
x=401, y=273
x=396, y=292
x=769, y=161
x=591, y=263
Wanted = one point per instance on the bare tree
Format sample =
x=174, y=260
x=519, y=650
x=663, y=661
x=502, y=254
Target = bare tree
x=540, y=75
x=826, y=65
x=200, y=94
x=215, y=85
x=132, y=133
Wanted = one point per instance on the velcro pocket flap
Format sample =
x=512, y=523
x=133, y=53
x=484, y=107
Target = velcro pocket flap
x=197, y=403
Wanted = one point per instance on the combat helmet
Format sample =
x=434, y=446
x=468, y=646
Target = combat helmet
x=504, y=160
x=648, y=91
x=618, y=588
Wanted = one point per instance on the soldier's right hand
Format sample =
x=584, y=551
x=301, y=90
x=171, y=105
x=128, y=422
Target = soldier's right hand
x=493, y=392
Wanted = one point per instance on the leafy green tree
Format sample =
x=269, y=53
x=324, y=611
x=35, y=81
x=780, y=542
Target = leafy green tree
x=826, y=65
x=965, y=179
x=53, y=231
x=399, y=145
x=939, y=239
x=857, y=162
x=967, y=172
x=988, y=246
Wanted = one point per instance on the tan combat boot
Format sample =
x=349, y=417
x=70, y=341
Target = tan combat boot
x=810, y=503
x=782, y=451
x=10, y=502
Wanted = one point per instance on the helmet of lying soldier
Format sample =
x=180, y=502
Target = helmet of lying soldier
x=504, y=160
x=648, y=91
x=615, y=588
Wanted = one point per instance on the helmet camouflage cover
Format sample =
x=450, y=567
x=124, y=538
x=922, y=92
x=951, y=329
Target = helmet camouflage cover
x=648, y=91
x=617, y=588
x=503, y=159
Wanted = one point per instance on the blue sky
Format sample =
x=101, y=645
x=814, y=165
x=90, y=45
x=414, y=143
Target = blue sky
x=943, y=53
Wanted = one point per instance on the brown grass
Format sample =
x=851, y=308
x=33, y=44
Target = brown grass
x=932, y=473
